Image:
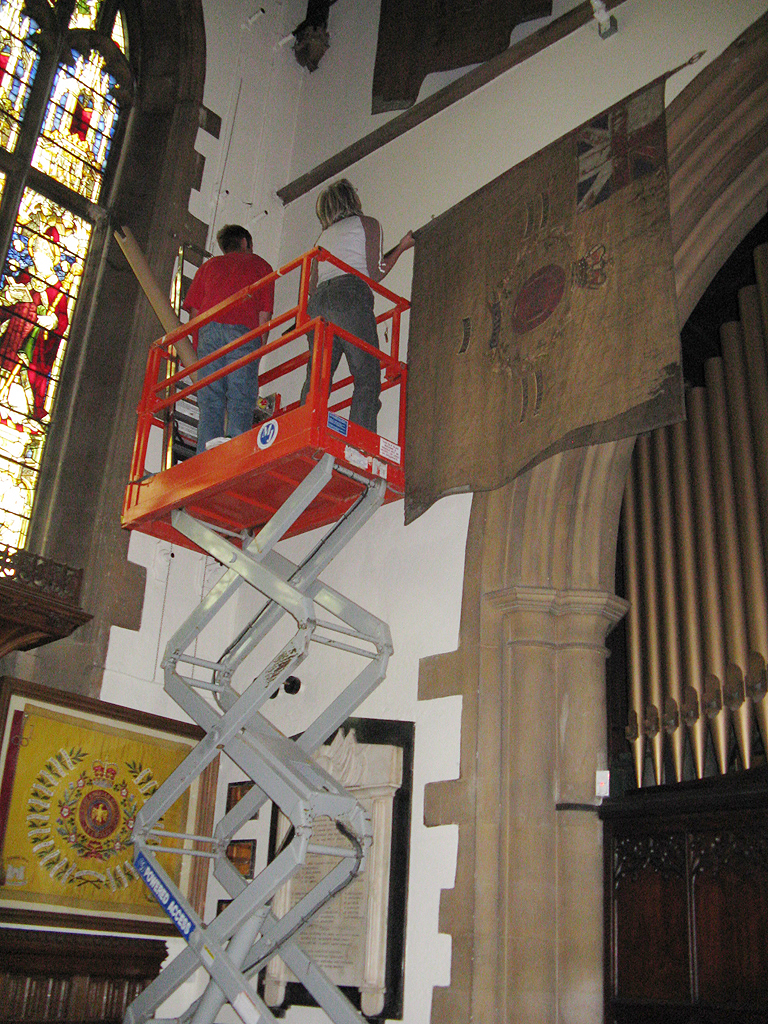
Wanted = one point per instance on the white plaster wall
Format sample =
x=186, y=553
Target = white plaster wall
x=253, y=84
x=336, y=98
x=411, y=577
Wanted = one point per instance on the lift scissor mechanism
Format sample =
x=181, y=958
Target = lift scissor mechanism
x=306, y=467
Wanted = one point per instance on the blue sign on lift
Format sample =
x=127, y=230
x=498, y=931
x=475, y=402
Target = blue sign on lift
x=338, y=423
x=163, y=897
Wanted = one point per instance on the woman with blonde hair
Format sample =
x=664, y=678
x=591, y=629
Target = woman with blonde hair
x=344, y=299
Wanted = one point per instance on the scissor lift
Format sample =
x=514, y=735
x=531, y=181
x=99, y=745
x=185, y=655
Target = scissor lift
x=307, y=467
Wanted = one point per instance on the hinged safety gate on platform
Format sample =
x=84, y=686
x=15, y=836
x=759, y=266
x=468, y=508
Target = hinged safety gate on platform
x=245, y=935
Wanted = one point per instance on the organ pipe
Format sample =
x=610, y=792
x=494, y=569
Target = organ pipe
x=709, y=576
x=693, y=709
x=736, y=644
x=757, y=384
x=761, y=273
x=673, y=696
x=635, y=731
x=696, y=559
x=647, y=517
x=750, y=533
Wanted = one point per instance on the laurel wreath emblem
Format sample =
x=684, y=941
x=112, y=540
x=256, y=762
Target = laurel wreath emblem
x=80, y=827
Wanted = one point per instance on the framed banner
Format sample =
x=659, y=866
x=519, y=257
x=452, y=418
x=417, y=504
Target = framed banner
x=74, y=772
x=235, y=792
x=242, y=853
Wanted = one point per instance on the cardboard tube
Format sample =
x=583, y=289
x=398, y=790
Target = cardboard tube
x=157, y=298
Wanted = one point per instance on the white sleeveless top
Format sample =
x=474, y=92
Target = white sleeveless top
x=346, y=240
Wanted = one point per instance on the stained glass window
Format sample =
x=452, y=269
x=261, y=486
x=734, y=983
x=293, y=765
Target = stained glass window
x=71, y=140
x=19, y=58
x=79, y=125
x=40, y=281
x=85, y=14
x=119, y=36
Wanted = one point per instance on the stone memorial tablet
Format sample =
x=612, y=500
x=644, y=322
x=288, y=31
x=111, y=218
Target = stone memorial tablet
x=348, y=937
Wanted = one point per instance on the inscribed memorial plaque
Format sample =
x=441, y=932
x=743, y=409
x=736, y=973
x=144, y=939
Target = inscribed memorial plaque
x=347, y=938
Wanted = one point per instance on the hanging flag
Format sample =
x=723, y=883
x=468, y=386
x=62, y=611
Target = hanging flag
x=544, y=314
x=416, y=39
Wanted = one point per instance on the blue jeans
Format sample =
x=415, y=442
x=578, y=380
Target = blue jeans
x=348, y=302
x=234, y=394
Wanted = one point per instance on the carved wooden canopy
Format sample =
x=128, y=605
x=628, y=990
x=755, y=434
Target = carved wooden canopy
x=39, y=600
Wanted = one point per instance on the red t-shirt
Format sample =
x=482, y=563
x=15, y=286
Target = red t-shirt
x=221, y=277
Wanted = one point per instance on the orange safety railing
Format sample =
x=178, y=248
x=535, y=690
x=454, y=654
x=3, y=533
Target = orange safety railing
x=164, y=384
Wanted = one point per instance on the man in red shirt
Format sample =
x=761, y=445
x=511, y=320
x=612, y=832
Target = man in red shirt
x=222, y=276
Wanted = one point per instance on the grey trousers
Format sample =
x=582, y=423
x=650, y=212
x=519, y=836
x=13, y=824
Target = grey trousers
x=348, y=302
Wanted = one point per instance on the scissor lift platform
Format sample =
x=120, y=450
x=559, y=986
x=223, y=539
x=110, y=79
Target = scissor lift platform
x=239, y=485
x=306, y=467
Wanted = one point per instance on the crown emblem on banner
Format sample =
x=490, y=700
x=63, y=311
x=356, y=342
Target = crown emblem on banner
x=104, y=770
x=592, y=270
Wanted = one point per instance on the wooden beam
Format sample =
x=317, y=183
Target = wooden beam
x=458, y=90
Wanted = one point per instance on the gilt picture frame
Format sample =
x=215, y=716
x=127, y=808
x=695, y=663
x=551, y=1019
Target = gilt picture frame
x=74, y=772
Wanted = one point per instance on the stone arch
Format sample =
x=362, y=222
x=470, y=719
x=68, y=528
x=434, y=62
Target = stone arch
x=525, y=914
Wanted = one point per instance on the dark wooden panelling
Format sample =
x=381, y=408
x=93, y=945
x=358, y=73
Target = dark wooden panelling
x=52, y=976
x=651, y=904
x=686, y=903
x=732, y=937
